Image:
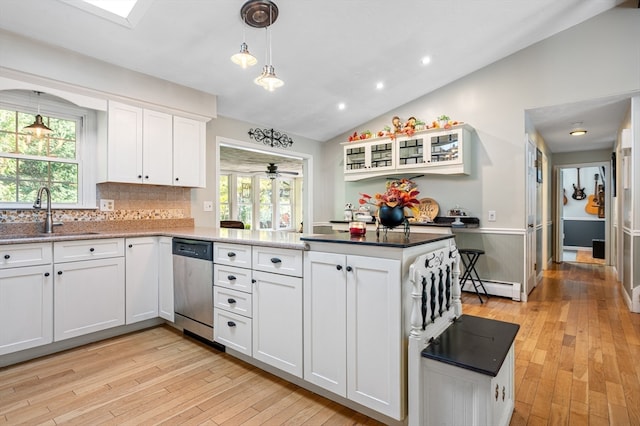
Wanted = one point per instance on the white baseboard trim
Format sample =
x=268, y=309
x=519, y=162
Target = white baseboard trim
x=633, y=302
x=497, y=288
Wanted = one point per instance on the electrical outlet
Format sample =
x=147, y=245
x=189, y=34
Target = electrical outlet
x=492, y=215
x=106, y=205
x=208, y=206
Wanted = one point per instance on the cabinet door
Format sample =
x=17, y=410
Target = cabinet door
x=189, y=152
x=165, y=279
x=374, y=334
x=157, y=148
x=277, y=321
x=325, y=341
x=26, y=308
x=124, y=145
x=141, y=279
x=88, y=297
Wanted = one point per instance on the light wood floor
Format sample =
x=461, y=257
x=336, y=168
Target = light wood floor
x=577, y=362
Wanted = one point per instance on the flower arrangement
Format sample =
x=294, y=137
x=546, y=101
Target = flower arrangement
x=400, y=192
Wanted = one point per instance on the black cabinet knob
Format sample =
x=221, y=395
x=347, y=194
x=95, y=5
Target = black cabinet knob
x=231, y=254
x=231, y=323
x=349, y=269
x=275, y=260
x=230, y=300
x=92, y=249
x=130, y=245
x=146, y=177
x=59, y=272
x=139, y=176
x=46, y=274
x=339, y=267
x=177, y=179
x=253, y=280
x=7, y=256
x=231, y=277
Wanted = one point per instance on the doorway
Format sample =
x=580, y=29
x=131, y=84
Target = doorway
x=583, y=231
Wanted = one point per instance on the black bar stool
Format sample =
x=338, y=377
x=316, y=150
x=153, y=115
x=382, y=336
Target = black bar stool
x=469, y=259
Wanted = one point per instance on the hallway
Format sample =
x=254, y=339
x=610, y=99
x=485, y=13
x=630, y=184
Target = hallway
x=577, y=350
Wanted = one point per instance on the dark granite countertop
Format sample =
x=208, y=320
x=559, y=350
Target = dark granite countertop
x=439, y=221
x=474, y=343
x=391, y=239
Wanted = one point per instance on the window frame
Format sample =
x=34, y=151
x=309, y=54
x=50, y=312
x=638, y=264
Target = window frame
x=86, y=139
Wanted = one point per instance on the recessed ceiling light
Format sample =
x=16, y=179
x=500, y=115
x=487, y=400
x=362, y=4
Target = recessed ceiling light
x=379, y=85
x=425, y=60
x=341, y=106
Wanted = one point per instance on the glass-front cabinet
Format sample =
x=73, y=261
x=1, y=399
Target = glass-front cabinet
x=371, y=156
x=434, y=151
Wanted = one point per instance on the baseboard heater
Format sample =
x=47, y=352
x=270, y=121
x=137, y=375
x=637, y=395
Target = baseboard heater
x=497, y=288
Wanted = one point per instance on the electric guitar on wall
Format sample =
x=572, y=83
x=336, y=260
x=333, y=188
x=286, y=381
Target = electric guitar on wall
x=592, y=203
x=578, y=193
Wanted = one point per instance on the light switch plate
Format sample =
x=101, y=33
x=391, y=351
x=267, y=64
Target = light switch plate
x=208, y=206
x=106, y=205
x=492, y=215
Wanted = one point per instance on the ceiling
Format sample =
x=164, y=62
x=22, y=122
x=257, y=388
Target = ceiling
x=327, y=52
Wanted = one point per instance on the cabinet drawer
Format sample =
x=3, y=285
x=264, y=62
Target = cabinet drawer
x=70, y=251
x=232, y=254
x=15, y=255
x=232, y=330
x=232, y=301
x=232, y=277
x=279, y=261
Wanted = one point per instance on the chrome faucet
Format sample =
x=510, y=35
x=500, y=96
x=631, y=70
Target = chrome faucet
x=48, y=222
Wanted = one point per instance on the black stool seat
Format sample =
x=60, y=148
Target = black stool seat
x=469, y=258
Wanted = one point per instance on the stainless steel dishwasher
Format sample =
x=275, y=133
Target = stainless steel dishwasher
x=193, y=286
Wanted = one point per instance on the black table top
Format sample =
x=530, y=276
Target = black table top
x=391, y=239
x=474, y=343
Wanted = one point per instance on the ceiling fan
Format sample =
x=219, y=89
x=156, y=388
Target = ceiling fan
x=272, y=171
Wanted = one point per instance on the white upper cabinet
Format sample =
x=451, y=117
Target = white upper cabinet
x=157, y=148
x=189, y=147
x=153, y=147
x=124, y=144
x=433, y=151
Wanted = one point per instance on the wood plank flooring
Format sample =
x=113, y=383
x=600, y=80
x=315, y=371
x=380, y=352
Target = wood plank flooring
x=577, y=363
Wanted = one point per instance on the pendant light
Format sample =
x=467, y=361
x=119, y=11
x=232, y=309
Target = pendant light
x=268, y=79
x=38, y=128
x=244, y=58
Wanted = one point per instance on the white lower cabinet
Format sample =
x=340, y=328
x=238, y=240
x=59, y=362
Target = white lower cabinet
x=141, y=279
x=88, y=297
x=352, y=329
x=165, y=279
x=458, y=396
x=277, y=321
x=26, y=307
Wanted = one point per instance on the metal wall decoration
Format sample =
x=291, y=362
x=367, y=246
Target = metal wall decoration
x=273, y=138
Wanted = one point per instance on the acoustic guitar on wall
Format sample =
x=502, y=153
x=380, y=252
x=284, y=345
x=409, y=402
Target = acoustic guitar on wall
x=593, y=203
x=578, y=192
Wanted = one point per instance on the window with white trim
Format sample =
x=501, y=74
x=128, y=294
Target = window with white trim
x=28, y=162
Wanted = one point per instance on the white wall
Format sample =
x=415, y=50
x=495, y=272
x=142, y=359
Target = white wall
x=597, y=58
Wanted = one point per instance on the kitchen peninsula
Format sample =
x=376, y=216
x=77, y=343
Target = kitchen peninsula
x=328, y=312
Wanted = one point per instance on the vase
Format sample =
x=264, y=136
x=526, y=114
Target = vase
x=390, y=217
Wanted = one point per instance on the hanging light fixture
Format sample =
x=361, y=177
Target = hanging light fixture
x=262, y=14
x=38, y=128
x=578, y=130
x=244, y=58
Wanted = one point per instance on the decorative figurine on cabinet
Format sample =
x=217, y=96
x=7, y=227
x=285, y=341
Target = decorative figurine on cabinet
x=397, y=125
